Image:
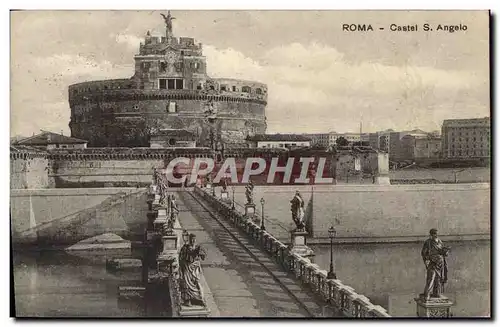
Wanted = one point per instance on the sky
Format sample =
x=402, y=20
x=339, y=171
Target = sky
x=320, y=78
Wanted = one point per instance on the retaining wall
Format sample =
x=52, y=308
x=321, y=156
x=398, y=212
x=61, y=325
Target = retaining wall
x=66, y=216
x=383, y=213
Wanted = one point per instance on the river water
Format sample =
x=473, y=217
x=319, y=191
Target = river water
x=55, y=283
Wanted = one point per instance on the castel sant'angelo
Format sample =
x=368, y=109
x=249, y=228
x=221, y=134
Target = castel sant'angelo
x=170, y=89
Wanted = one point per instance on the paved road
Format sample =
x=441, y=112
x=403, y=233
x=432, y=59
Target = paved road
x=243, y=280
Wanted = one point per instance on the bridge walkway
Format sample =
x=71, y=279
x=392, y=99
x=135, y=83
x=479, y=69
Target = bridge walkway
x=243, y=280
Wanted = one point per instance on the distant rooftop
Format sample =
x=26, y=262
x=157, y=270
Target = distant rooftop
x=46, y=138
x=361, y=149
x=278, y=138
x=467, y=121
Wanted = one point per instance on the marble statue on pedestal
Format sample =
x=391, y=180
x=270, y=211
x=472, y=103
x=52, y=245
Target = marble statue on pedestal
x=297, y=208
x=434, y=254
x=174, y=211
x=190, y=258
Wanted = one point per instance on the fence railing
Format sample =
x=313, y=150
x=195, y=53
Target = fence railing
x=342, y=297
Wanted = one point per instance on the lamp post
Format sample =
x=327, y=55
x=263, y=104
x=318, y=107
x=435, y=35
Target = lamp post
x=262, y=227
x=331, y=234
x=233, y=207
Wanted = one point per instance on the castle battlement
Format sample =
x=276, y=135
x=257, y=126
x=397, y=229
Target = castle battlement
x=155, y=44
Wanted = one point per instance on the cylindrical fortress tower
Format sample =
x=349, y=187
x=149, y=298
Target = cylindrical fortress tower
x=170, y=89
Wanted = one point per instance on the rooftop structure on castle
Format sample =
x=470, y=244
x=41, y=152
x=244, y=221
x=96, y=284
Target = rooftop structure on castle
x=170, y=89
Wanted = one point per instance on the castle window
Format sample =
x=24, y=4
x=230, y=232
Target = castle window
x=223, y=88
x=199, y=87
x=172, y=107
x=258, y=90
x=195, y=65
x=171, y=83
x=234, y=88
x=246, y=89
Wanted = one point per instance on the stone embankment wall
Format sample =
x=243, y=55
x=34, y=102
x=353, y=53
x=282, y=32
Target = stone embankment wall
x=383, y=213
x=66, y=216
x=27, y=172
x=444, y=175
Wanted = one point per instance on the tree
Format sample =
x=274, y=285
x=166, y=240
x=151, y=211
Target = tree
x=341, y=141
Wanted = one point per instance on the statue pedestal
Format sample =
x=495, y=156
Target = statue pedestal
x=194, y=311
x=170, y=243
x=159, y=223
x=249, y=210
x=434, y=307
x=162, y=211
x=382, y=180
x=155, y=204
x=299, y=244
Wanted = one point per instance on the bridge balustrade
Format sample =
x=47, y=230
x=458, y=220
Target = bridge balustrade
x=332, y=291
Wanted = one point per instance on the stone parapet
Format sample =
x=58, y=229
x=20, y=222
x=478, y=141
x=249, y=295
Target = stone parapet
x=81, y=96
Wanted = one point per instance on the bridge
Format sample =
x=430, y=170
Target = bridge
x=250, y=270
x=247, y=271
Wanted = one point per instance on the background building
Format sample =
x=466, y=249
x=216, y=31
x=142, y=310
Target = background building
x=332, y=138
x=170, y=89
x=278, y=141
x=396, y=150
x=466, y=138
x=49, y=141
x=319, y=139
x=416, y=147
